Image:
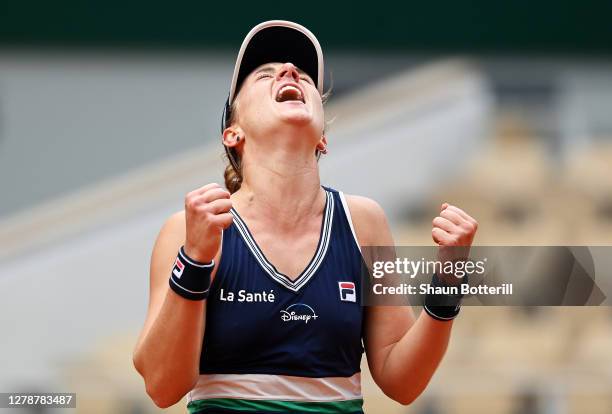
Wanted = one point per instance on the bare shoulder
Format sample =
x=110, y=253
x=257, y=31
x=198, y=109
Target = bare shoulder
x=171, y=236
x=364, y=207
x=369, y=220
x=175, y=223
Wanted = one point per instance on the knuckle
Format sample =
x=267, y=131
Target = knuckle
x=207, y=208
x=216, y=194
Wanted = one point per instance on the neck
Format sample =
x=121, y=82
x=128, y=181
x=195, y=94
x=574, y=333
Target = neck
x=280, y=184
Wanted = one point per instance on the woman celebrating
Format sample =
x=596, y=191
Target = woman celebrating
x=255, y=292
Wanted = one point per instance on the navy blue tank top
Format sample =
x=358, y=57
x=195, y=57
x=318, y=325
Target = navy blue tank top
x=273, y=344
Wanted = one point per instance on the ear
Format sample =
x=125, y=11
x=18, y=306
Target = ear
x=322, y=144
x=233, y=136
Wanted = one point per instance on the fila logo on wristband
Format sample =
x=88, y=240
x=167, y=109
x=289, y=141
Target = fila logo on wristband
x=189, y=278
x=178, y=268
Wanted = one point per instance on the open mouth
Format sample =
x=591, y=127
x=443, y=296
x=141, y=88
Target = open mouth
x=289, y=93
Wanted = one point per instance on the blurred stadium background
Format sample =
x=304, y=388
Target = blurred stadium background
x=109, y=115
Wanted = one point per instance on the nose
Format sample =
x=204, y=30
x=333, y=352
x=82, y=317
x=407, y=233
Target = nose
x=288, y=70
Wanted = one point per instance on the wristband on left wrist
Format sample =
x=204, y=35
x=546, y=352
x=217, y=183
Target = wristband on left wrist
x=443, y=307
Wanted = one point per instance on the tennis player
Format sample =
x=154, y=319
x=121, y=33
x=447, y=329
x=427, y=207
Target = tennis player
x=255, y=301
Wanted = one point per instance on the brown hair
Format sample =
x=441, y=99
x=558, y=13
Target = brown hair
x=233, y=170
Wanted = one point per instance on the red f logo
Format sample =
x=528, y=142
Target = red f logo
x=347, y=291
x=178, y=268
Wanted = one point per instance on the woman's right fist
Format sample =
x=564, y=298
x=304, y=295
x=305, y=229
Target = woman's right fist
x=206, y=215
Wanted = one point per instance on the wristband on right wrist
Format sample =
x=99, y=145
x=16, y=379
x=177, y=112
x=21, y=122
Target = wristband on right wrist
x=190, y=278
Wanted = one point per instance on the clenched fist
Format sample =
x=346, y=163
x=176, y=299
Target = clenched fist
x=453, y=230
x=206, y=215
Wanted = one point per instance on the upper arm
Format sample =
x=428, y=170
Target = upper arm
x=383, y=325
x=170, y=238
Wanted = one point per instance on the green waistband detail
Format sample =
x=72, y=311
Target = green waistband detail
x=328, y=407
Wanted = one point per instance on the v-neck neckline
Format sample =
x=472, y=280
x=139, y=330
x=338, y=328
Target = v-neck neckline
x=313, y=264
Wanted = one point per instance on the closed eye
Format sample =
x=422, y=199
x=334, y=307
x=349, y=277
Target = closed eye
x=263, y=75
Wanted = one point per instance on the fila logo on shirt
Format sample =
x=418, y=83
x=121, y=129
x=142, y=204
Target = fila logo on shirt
x=347, y=291
x=178, y=268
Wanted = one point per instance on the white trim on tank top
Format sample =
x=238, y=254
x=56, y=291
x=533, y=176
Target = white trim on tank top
x=347, y=212
x=314, y=263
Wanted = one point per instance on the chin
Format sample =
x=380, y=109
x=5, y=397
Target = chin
x=296, y=117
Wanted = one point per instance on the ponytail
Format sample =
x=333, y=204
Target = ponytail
x=233, y=171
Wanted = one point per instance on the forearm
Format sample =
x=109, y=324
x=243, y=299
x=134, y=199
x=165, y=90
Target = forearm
x=168, y=357
x=412, y=360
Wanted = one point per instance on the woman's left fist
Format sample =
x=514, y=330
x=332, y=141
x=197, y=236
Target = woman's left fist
x=453, y=227
x=453, y=230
